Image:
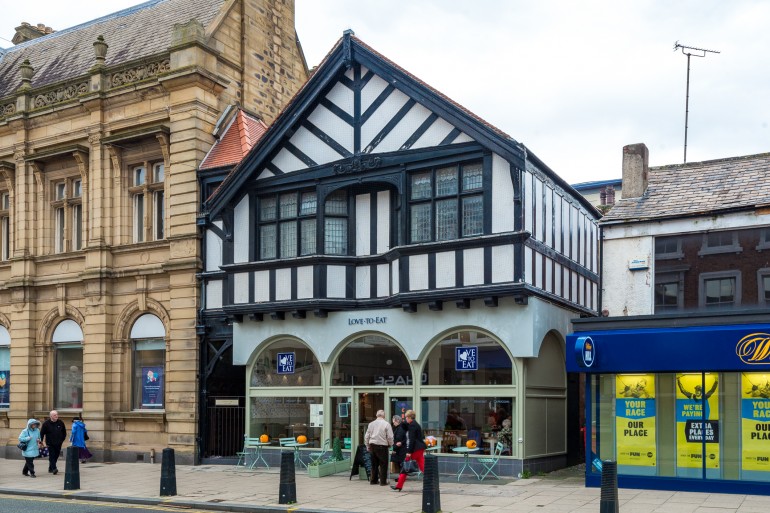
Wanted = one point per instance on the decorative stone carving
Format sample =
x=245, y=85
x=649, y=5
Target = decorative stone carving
x=165, y=147
x=357, y=165
x=100, y=50
x=115, y=158
x=82, y=160
x=138, y=73
x=7, y=109
x=60, y=95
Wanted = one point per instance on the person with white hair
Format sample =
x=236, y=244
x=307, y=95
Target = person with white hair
x=378, y=439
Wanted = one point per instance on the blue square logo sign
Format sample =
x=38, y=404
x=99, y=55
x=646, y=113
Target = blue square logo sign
x=467, y=358
x=285, y=363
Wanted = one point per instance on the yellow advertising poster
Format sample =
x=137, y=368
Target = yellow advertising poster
x=755, y=421
x=635, y=419
x=697, y=418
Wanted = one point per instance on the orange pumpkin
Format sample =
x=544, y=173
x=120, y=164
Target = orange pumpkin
x=470, y=444
x=301, y=439
x=264, y=439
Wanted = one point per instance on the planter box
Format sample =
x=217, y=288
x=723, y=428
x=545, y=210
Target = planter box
x=328, y=468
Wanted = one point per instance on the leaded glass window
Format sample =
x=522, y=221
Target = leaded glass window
x=287, y=225
x=446, y=203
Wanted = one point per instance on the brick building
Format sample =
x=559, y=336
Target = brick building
x=102, y=129
x=679, y=373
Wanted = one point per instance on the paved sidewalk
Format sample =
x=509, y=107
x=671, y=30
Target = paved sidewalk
x=223, y=487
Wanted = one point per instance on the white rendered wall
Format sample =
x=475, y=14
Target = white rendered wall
x=626, y=292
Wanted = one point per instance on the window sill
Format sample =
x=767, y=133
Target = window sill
x=158, y=416
x=720, y=250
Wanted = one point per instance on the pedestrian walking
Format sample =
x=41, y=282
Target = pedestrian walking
x=53, y=433
x=78, y=438
x=31, y=437
x=399, y=444
x=378, y=439
x=415, y=447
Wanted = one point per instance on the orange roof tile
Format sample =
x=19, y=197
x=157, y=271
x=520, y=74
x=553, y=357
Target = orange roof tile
x=239, y=137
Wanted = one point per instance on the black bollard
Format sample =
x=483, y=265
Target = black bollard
x=168, y=473
x=431, y=495
x=287, y=489
x=608, y=502
x=72, y=469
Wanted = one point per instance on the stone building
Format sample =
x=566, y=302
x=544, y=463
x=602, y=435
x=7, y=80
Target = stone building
x=102, y=129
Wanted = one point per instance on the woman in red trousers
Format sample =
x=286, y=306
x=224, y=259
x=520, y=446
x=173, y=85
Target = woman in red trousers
x=415, y=446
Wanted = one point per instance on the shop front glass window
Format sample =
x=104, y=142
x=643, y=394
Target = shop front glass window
x=69, y=376
x=286, y=362
x=149, y=374
x=468, y=358
x=453, y=421
x=372, y=360
x=693, y=425
x=68, y=365
x=282, y=417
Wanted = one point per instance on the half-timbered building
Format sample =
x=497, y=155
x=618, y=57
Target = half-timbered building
x=383, y=247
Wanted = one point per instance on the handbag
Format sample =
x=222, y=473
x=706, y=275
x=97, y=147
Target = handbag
x=22, y=446
x=409, y=467
x=44, y=452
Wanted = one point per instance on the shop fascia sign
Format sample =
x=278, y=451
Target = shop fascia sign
x=367, y=321
x=754, y=349
x=585, y=351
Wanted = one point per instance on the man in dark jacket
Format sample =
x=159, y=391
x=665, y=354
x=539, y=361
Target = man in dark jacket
x=53, y=432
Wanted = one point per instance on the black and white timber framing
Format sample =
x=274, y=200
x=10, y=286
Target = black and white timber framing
x=357, y=134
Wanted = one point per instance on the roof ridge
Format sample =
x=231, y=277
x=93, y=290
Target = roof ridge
x=714, y=161
x=80, y=26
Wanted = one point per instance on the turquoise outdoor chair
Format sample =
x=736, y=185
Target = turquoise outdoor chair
x=491, y=463
x=315, y=456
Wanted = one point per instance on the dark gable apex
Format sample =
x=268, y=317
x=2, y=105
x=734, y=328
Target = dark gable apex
x=348, y=51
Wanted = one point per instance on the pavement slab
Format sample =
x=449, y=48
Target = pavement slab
x=226, y=488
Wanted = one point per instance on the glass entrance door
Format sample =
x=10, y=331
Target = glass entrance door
x=368, y=403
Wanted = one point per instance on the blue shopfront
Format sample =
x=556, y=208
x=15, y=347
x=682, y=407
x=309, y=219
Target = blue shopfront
x=678, y=408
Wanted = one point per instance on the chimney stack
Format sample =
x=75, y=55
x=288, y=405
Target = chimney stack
x=636, y=167
x=27, y=32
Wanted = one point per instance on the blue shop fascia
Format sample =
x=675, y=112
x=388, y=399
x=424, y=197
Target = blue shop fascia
x=680, y=402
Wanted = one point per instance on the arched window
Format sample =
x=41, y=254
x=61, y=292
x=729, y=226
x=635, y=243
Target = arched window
x=5, y=368
x=68, y=368
x=285, y=396
x=455, y=413
x=469, y=358
x=148, y=339
x=284, y=363
x=372, y=360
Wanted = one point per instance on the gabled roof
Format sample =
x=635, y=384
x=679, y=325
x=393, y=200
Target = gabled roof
x=140, y=31
x=348, y=51
x=698, y=188
x=240, y=136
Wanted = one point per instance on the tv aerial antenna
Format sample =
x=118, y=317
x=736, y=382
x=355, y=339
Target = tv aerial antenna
x=689, y=51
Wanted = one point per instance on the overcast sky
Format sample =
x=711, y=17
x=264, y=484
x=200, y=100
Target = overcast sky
x=573, y=81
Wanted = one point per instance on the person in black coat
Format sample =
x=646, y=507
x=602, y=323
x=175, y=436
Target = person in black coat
x=399, y=443
x=415, y=446
x=53, y=433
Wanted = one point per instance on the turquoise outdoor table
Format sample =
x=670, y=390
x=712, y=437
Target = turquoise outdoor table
x=258, y=455
x=465, y=451
x=296, y=446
